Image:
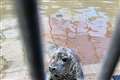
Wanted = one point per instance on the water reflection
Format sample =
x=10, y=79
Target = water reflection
x=82, y=29
x=84, y=25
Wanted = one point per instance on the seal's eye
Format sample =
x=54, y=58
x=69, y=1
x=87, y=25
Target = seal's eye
x=65, y=59
x=56, y=75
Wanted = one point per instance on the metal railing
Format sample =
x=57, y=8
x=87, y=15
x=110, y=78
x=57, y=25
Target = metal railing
x=30, y=29
x=113, y=54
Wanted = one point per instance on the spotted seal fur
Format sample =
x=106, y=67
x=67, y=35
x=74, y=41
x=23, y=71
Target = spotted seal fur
x=65, y=65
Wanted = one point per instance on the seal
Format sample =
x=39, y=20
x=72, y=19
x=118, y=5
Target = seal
x=65, y=65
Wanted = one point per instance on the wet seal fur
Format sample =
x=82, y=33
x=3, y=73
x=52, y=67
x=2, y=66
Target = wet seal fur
x=65, y=65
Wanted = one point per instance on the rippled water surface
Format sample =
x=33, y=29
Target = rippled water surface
x=83, y=25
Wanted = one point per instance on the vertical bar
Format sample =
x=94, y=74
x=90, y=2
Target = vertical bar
x=113, y=55
x=29, y=26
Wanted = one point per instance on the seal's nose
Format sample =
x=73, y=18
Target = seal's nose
x=51, y=69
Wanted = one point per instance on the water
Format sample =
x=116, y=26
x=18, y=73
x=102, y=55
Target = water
x=83, y=25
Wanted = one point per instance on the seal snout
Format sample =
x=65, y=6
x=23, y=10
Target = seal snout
x=52, y=69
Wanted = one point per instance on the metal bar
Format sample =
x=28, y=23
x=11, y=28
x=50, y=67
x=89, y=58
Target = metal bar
x=112, y=56
x=30, y=29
